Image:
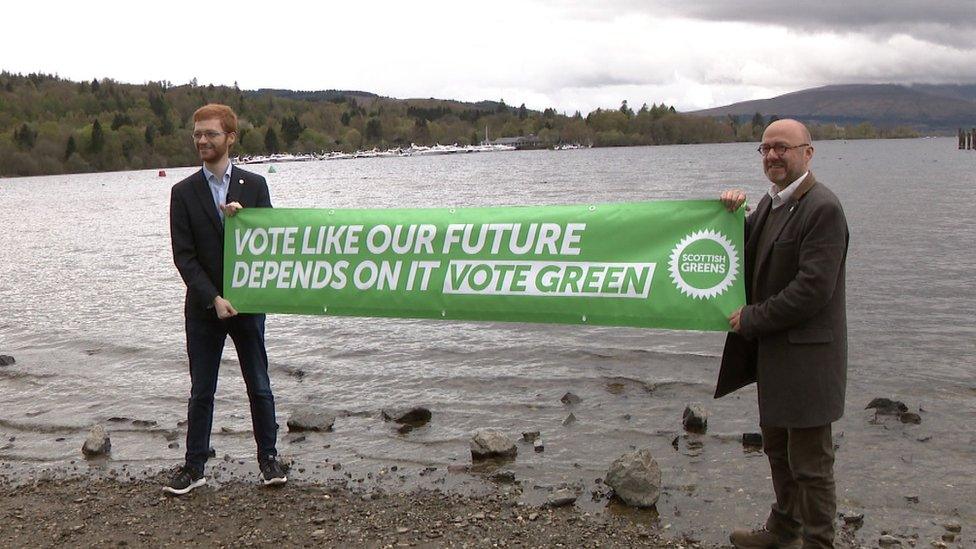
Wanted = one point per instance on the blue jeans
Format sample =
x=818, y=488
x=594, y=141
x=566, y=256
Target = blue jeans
x=205, y=339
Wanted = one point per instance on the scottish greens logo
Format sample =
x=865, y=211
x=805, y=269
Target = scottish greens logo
x=704, y=264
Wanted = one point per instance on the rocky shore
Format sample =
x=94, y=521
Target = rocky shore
x=112, y=512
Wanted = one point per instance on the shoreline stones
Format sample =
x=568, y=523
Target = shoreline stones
x=310, y=420
x=695, y=418
x=408, y=418
x=635, y=478
x=7, y=360
x=570, y=419
x=98, y=442
x=887, y=407
x=415, y=416
x=561, y=498
x=570, y=399
x=490, y=443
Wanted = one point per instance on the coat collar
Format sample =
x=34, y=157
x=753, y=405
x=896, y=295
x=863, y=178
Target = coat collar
x=791, y=207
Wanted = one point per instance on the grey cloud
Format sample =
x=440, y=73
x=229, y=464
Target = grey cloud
x=948, y=22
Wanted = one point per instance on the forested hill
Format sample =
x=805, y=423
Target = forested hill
x=49, y=125
x=925, y=107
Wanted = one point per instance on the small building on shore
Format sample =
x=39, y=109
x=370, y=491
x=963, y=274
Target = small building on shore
x=530, y=141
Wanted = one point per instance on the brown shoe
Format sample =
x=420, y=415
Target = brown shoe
x=761, y=539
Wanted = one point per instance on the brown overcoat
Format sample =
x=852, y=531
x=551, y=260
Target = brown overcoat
x=793, y=335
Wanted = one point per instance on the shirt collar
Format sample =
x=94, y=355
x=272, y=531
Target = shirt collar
x=212, y=177
x=782, y=197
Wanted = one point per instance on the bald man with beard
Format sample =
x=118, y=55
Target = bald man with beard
x=791, y=338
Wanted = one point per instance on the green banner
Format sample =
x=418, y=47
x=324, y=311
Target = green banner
x=663, y=264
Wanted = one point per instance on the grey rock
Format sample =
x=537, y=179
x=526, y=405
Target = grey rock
x=490, y=443
x=538, y=446
x=570, y=419
x=561, y=498
x=953, y=527
x=505, y=477
x=695, y=418
x=910, y=417
x=98, y=442
x=415, y=416
x=635, y=478
x=886, y=406
x=7, y=360
x=852, y=519
x=310, y=420
x=888, y=541
x=570, y=399
x=530, y=436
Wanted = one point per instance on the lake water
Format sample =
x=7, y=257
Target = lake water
x=91, y=308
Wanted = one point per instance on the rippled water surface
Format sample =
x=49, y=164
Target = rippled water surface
x=91, y=308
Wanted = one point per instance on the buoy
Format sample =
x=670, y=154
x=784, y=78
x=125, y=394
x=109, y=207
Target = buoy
x=271, y=169
x=162, y=173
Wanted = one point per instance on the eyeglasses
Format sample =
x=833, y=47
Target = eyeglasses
x=209, y=134
x=779, y=148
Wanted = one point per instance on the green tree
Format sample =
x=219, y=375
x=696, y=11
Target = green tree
x=374, y=130
x=97, y=142
x=291, y=129
x=523, y=113
x=150, y=135
x=271, y=140
x=70, y=149
x=626, y=110
x=25, y=137
x=758, y=121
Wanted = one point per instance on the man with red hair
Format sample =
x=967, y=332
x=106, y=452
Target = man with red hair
x=198, y=206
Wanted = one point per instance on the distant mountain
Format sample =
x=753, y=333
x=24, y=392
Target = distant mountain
x=926, y=107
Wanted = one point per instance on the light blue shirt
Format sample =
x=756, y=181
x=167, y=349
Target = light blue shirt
x=218, y=188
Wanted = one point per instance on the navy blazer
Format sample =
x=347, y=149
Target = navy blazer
x=197, y=234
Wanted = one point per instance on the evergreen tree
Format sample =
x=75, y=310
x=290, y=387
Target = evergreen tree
x=625, y=109
x=95, y=86
x=97, y=142
x=150, y=135
x=119, y=120
x=523, y=113
x=271, y=140
x=374, y=130
x=291, y=129
x=25, y=137
x=71, y=148
x=757, y=121
x=166, y=126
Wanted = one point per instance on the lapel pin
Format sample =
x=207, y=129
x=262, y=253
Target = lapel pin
x=241, y=181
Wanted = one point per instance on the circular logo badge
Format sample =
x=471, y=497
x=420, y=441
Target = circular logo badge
x=704, y=264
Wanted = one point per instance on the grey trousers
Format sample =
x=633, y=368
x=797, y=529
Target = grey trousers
x=802, y=465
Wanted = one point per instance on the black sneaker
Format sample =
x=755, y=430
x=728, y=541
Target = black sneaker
x=272, y=472
x=186, y=479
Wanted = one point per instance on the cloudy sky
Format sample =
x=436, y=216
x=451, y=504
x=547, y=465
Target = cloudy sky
x=571, y=55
